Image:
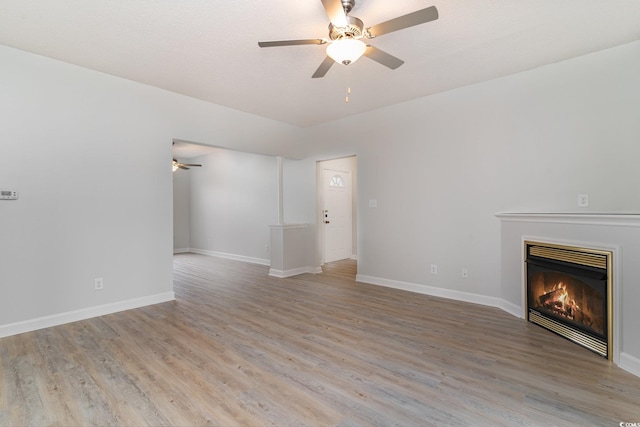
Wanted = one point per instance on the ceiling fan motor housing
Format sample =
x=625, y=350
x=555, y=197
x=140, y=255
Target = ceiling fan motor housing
x=353, y=30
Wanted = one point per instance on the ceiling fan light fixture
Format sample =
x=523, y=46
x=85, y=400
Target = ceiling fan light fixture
x=346, y=50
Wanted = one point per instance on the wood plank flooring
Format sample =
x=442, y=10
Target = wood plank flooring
x=240, y=348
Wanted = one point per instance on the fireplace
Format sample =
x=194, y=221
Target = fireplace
x=569, y=292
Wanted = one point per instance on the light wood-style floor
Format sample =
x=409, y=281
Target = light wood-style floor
x=240, y=348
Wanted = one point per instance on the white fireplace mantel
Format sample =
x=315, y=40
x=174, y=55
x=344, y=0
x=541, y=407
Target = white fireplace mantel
x=618, y=232
x=611, y=219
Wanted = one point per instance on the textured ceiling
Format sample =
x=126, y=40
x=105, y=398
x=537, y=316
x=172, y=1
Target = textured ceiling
x=208, y=49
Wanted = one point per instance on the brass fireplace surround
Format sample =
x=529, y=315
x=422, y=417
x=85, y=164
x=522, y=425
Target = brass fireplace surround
x=600, y=259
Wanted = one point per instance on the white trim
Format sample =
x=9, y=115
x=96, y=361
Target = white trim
x=619, y=220
x=250, y=260
x=82, y=314
x=181, y=251
x=443, y=293
x=630, y=363
x=294, y=272
x=511, y=308
x=289, y=226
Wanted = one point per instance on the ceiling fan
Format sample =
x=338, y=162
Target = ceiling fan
x=175, y=165
x=346, y=32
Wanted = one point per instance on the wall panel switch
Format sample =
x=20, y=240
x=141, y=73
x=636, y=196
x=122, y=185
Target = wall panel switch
x=8, y=195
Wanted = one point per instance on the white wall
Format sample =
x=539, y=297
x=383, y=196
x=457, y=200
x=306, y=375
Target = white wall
x=234, y=199
x=181, y=210
x=440, y=167
x=90, y=154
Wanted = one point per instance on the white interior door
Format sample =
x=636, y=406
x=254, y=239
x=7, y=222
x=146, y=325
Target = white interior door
x=337, y=214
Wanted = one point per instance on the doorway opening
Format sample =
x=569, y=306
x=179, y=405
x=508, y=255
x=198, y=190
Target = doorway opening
x=337, y=213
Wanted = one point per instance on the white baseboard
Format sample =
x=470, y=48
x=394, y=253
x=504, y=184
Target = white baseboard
x=630, y=363
x=512, y=309
x=82, y=314
x=443, y=293
x=181, y=251
x=250, y=260
x=294, y=272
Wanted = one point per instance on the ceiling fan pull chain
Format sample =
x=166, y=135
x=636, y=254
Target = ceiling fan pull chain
x=346, y=99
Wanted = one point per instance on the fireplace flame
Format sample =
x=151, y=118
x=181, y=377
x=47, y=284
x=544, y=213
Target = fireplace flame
x=558, y=301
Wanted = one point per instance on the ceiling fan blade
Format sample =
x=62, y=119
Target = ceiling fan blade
x=323, y=68
x=183, y=167
x=291, y=42
x=409, y=20
x=335, y=12
x=190, y=164
x=383, y=57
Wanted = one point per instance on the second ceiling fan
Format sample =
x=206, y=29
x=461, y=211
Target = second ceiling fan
x=346, y=32
x=175, y=165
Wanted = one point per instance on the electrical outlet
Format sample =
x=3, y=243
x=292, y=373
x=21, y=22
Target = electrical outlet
x=434, y=269
x=465, y=273
x=583, y=200
x=98, y=284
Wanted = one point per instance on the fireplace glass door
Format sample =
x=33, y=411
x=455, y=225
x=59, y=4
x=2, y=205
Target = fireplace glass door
x=568, y=292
